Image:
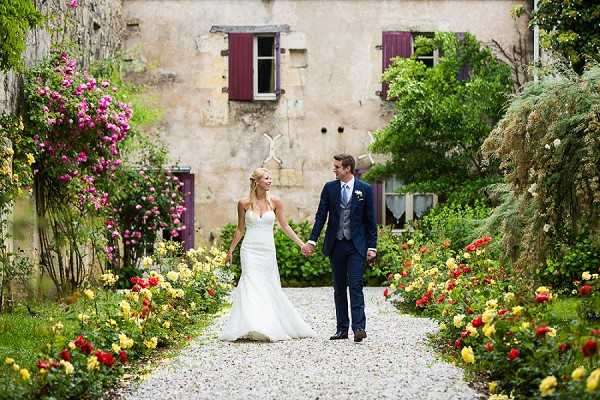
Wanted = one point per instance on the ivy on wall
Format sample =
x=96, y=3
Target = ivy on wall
x=16, y=18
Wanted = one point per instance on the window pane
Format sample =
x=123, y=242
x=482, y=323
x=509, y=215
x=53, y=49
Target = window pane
x=426, y=61
x=266, y=76
x=265, y=46
x=422, y=203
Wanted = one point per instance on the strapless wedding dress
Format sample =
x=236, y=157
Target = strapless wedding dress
x=261, y=310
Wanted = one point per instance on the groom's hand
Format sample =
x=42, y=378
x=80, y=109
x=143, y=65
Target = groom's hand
x=308, y=249
x=371, y=256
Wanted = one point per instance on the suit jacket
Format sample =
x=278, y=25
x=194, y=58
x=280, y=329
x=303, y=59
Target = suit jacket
x=362, y=217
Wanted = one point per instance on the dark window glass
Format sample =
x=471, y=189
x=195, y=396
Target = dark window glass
x=265, y=46
x=266, y=76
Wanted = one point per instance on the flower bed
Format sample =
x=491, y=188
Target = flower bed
x=116, y=328
x=494, y=325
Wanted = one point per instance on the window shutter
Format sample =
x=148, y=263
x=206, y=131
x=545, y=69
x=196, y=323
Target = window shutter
x=188, y=215
x=395, y=44
x=241, y=66
x=463, y=72
x=378, y=199
x=277, y=64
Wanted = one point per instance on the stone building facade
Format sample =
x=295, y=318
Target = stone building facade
x=280, y=83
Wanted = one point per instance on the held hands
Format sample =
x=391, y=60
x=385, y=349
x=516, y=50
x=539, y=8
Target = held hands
x=371, y=256
x=228, y=258
x=307, y=249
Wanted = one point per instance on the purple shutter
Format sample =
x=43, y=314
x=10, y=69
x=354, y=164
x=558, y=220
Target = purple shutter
x=240, y=66
x=463, y=72
x=277, y=63
x=395, y=44
x=378, y=195
x=188, y=215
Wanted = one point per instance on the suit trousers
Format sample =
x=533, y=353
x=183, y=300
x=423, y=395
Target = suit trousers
x=348, y=267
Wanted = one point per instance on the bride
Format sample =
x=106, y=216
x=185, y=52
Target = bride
x=261, y=310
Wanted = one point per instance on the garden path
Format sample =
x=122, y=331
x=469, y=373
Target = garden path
x=393, y=362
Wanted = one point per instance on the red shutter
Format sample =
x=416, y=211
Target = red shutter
x=395, y=44
x=240, y=66
x=378, y=198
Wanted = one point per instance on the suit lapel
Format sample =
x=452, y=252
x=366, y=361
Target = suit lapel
x=337, y=197
x=357, y=186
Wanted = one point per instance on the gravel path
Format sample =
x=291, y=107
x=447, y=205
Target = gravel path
x=393, y=362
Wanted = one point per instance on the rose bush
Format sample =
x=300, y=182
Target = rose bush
x=494, y=325
x=132, y=323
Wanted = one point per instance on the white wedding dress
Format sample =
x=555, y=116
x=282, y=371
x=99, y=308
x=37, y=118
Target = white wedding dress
x=261, y=310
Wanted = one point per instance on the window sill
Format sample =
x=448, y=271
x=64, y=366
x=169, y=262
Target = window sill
x=265, y=97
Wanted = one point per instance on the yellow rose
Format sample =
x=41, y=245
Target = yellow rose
x=125, y=342
x=578, y=374
x=69, y=369
x=551, y=332
x=9, y=361
x=493, y=386
x=443, y=326
x=542, y=289
x=167, y=324
x=593, y=380
x=57, y=328
x=72, y=345
x=517, y=310
x=172, y=276
x=125, y=309
x=525, y=326
x=115, y=348
x=491, y=303
x=586, y=276
x=151, y=343
x=509, y=297
x=489, y=330
x=16, y=367
x=488, y=316
x=30, y=159
x=84, y=318
x=24, y=374
x=458, y=320
x=92, y=363
x=547, y=386
x=467, y=355
x=147, y=262
x=89, y=293
x=472, y=330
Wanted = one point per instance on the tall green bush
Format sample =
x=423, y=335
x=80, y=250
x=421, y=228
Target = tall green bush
x=16, y=18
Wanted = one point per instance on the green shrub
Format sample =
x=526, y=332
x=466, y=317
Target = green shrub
x=454, y=222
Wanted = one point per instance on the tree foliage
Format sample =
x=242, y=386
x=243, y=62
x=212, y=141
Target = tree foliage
x=571, y=29
x=440, y=122
x=548, y=145
x=16, y=18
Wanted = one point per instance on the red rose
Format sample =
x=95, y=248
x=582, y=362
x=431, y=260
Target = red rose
x=586, y=290
x=542, y=297
x=105, y=358
x=84, y=345
x=211, y=292
x=386, y=293
x=458, y=343
x=404, y=273
x=451, y=285
x=489, y=347
x=502, y=312
x=146, y=301
x=469, y=310
x=464, y=333
x=563, y=347
x=441, y=298
x=65, y=354
x=596, y=332
x=456, y=273
x=542, y=330
x=589, y=348
x=513, y=354
x=487, y=280
x=123, y=356
x=423, y=249
x=471, y=248
x=477, y=322
x=136, y=288
x=451, y=301
x=153, y=281
x=43, y=364
x=466, y=269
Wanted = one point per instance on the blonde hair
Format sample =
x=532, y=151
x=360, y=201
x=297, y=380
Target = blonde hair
x=256, y=176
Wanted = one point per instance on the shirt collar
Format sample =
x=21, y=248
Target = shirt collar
x=350, y=184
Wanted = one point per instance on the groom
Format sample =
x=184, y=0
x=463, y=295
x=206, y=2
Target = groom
x=350, y=240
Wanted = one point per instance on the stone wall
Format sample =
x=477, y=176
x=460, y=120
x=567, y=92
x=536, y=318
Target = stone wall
x=95, y=30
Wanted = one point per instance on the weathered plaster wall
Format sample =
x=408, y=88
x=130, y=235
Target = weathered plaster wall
x=330, y=73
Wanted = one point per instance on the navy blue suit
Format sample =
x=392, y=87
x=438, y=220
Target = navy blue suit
x=348, y=257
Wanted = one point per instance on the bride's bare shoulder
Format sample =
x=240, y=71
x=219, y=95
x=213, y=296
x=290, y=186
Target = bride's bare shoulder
x=276, y=200
x=244, y=203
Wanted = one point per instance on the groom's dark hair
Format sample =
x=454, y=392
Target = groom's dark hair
x=347, y=161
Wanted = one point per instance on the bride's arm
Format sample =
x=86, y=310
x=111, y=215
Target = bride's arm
x=239, y=231
x=285, y=227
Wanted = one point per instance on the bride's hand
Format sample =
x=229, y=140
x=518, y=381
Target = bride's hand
x=228, y=258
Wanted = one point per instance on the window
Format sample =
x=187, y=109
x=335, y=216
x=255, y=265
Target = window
x=253, y=66
x=400, y=209
x=428, y=57
x=264, y=67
